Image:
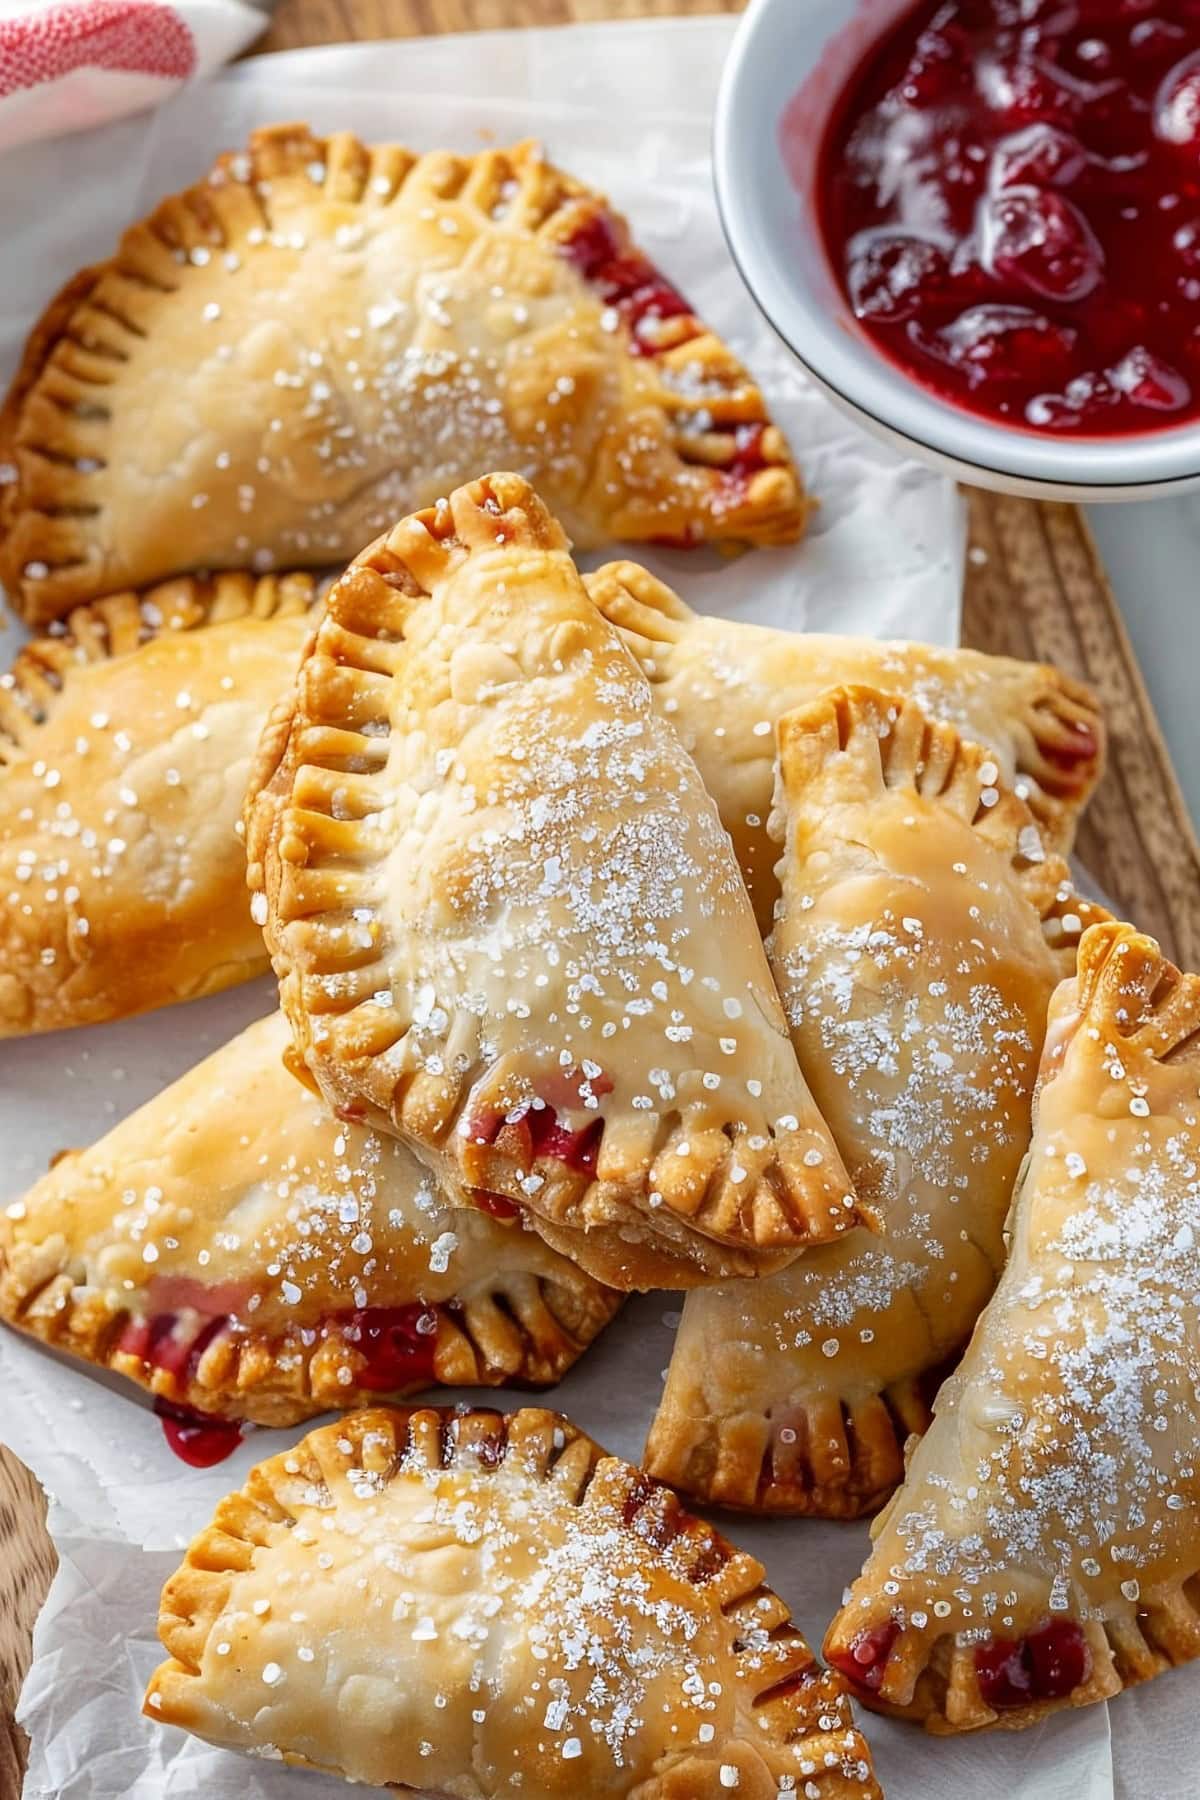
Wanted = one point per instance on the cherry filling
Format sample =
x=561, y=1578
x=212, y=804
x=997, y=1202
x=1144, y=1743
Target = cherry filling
x=1049, y=1662
x=575, y=1149
x=158, y=1341
x=539, y=1133
x=397, y=1344
x=1068, y=759
x=197, y=1438
x=497, y=1205
x=865, y=1661
x=1010, y=190
x=624, y=279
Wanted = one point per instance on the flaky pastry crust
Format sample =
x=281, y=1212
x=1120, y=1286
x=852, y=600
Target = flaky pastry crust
x=1043, y=1552
x=125, y=742
x=346, y=333
x=235, y=1250
x=507, y=922
x=487, y=1606
x=725, y=685
x=921, y=932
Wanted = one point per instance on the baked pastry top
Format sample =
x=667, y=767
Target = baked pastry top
x=238, y=1251
x=725, y=685
x=1043, y=1550
x=921, y=933
x=507, y=922
x=125, y=743
x=475, y=1605
x=347, y=333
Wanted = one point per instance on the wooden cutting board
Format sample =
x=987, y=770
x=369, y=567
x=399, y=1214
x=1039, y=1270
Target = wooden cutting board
x=1035, y=587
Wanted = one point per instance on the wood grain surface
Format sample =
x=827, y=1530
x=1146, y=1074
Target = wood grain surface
x=1035, y=587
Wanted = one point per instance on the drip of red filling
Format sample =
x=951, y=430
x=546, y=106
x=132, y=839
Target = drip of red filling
x=197, y=1438
x=865, y=1660
x=1048, y=1663
x=624, y=279
x=396, y=1342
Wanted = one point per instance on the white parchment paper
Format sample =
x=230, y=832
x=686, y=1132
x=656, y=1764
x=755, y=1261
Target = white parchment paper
x=628, y=107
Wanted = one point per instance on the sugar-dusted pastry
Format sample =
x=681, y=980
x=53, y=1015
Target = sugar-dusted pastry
x=125, y=742
x=725, y=684
x=1043, y=1551
x=468, y=1604
x=239, y=1252
x=508, y=924
x=343, y=334
x=921, y=933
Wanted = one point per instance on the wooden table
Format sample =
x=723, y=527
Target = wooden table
x=1035, y=587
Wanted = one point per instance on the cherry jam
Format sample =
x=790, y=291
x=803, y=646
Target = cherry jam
x=1010, y=193
x=397, y=1344
x=625, y=280
x=1047, y=1665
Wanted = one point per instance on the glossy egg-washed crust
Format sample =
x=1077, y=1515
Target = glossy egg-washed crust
x=819, y=1426
x=238, y=1146
x=125, y=739
x=790, y=1726
x=725, y=685
x=318, y=391
x=382, y=740
x=1121, y=1061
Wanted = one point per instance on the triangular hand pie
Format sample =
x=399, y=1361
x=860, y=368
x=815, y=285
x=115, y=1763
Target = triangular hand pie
x=1043, y=1551
x=724, y=685
x=239, y=1252
x=508, y=924
x=921, y=933
x=125, y=742
x=468, y=1604
x=346, y=333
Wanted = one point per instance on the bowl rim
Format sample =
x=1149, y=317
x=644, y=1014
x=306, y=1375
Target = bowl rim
x=853, y=369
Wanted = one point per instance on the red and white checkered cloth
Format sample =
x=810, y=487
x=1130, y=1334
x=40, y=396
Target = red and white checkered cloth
x=65, y=64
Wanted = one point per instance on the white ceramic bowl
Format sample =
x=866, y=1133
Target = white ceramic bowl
x=788, y=63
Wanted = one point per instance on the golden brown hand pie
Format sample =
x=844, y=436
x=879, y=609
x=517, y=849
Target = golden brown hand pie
x=321, y=337
x=724, y=685
x=467, y=1604
x=1043, y=1551
x=921, y=933
x=508, y=924
x=237, y=1251
x=125, y=743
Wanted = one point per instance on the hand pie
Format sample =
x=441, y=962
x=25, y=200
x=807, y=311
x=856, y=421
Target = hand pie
x=469, y=1604
x=724, y=685
x=237, y=1251
x=124, y=747
x=508, y=924
x=346, y=334
x=921, y=933
x=1043, y=1551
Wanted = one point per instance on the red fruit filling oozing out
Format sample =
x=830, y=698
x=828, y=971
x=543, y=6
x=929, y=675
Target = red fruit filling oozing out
x=160, y=1341
x=540, y=1132
x=1047, y=1664
x=866, y=1659
x=396, y=1342
x=1010, y=191
x=624, y=279
x=1068, y=762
